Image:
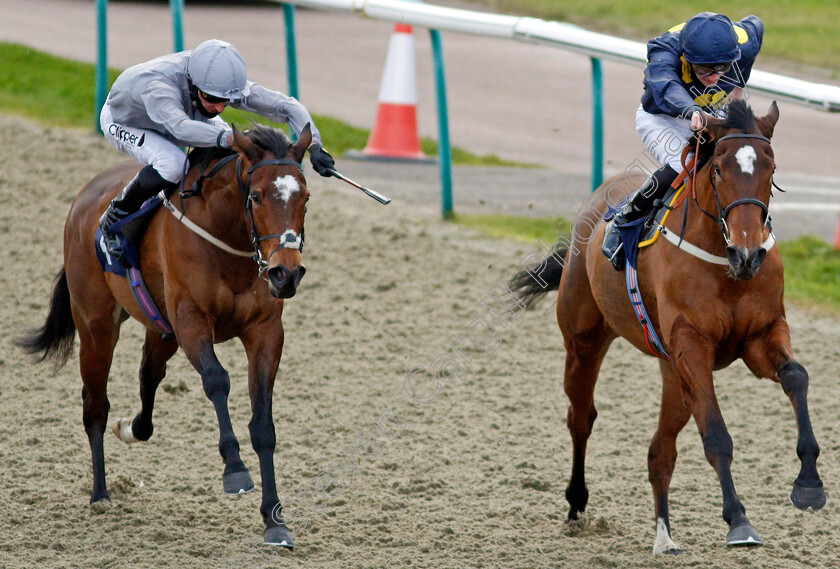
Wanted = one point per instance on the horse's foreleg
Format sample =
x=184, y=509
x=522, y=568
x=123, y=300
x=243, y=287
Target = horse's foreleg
x=264, y=348
x=662, y=456
x=156, y=352
x=216, y=383
x=770, y=356
x=693, y=358
x=584, y=354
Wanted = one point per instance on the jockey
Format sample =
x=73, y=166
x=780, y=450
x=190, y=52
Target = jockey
x=174, y=100
x=694, y=67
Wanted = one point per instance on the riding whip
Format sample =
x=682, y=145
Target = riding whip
x=375, y=195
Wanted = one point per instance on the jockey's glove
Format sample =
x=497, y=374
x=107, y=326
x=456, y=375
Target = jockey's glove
x=321, y=160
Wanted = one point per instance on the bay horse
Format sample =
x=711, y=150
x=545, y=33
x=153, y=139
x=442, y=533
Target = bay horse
x=708, y=312
x=254, y=199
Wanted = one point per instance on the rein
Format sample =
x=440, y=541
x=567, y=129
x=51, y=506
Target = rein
x=288, y=239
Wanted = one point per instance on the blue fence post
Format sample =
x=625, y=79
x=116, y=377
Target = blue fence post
x=597, y=124
x=291, y=49
x=444, y=149
x=177, y=23
x=101, y=80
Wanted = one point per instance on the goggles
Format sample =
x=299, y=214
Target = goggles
x=704, y=70
x=212, y=99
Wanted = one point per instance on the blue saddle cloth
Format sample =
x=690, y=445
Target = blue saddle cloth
x=129, y=246
x=131, y=252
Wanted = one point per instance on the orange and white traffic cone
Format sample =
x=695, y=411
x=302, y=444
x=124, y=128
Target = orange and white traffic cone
x=837, y=237
x=394, y=135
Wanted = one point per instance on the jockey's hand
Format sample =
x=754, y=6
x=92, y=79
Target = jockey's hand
x=321, y=160
x=698, y=121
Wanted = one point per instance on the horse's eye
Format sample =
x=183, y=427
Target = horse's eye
x=256, y=198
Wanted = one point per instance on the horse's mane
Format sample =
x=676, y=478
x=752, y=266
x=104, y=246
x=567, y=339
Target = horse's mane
x=739, y=116
x=268, y=138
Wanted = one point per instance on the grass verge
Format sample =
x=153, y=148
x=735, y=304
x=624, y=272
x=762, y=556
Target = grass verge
x=812, y=266
x=66, y=99
x=805, y=32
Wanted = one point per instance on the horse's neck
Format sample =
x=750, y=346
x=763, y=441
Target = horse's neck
x=220, y=209
x=699, y=228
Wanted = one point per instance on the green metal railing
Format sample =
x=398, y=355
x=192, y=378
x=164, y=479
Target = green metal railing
x=444, y=148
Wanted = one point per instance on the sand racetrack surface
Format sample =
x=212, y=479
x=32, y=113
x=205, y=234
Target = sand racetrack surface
x=473, y=478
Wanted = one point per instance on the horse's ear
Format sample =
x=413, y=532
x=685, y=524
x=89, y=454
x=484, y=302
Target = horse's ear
x=243, y=144
x=767, y=123
x=712, y=130
x=298, y=149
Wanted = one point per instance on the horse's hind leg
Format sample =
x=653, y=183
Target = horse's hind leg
x=584, y=353
x=156, y=352
x=770, y=355
x=96, y=350
x=662, y=456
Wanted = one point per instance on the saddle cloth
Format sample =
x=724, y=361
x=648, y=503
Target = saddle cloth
x=133, y=226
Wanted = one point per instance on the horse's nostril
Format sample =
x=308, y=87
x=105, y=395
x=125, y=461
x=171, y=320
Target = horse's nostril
x=278, y=275
x=756, y=258
x=735, y=255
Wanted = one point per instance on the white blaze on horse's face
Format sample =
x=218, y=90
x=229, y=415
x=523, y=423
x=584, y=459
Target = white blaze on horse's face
x=286, y=186
x=746, y=159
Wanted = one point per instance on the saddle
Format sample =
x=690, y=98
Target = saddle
x=128, y=232
x=636, y=235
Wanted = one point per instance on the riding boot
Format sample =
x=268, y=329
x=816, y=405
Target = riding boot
x=144, y=185
x=638, y=205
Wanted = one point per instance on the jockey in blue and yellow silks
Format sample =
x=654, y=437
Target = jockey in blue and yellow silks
x=695, y=66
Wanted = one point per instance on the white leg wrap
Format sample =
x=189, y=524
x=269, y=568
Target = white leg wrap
x=663, y=542
x=122, y=428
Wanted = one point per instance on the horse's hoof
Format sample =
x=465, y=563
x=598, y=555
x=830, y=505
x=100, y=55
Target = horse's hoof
x=100, y=505
x=238, y=483
x=808, y=498
x=279, y=535
x=743, y=536
x=672, y=551
x=122, y=428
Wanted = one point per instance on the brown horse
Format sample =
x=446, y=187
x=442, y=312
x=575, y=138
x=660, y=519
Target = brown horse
x=708, y=312
x=254, y=201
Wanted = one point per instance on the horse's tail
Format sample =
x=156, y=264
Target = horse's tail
x=53, y=340
x=532, y=283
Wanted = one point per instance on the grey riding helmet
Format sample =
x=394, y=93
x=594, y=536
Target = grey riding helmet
x=216, y=68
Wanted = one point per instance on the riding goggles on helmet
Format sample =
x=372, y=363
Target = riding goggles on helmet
x=705, y=69
x=212, y=99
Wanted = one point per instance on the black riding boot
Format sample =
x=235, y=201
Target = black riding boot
x=638, y=206
x=144, y=185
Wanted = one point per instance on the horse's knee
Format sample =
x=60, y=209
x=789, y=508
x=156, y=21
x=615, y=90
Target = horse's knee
x=262, y=434
x=793, y=377
x=717, y=443
x=579, y=422
x=216, y=382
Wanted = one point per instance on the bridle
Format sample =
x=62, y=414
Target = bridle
x=723, y=212
x=288, y=239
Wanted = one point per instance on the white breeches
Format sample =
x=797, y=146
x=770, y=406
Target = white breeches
x=145, y=146
x=664, y=136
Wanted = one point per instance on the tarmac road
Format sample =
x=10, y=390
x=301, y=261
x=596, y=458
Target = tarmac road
x=519, y=101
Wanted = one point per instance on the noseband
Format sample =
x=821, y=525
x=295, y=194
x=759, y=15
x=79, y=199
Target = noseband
x=723, y=212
